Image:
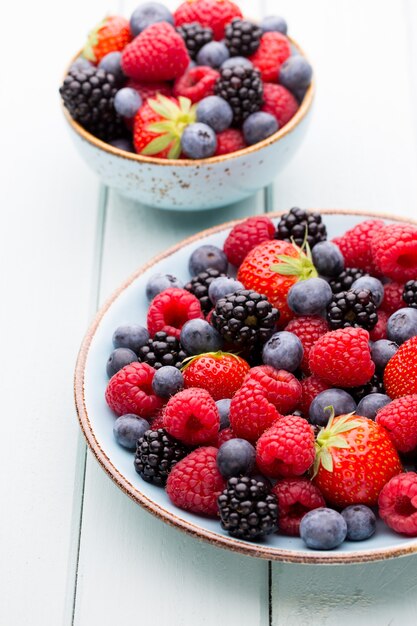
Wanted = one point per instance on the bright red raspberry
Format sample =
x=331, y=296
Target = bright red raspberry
x=158, y=421
x=394, y=250
x=130, y=391
x=191, y=416
x=250, y=412
x=195, y=483
x=393, y=298
x=220, y=373
x=281, y=388
x=399, y=418
x=149, y=90
x=245, y=236
x=197, y=83
x=157, y=53
x=213, y=13
x=380, y=330
x=400, y=374
x=287, y=448
x=342, y=358
x=398, y=504
x=230, y=140
x=280, y=103
x=170, y=309
x=274, y=49
x=309, y=329
x=355, y=245
x=225, y=435
x=296, y=497
x=311, y=387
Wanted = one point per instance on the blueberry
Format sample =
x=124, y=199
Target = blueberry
x=167, y=381
x=128, y=429
x=130, y=336
x=147, y=14
x=160, y=282
x=373, y=285
x=360, y=521
x=309, y=297
x=198, y=141
x=81, y=64
x=234, y=61
x=224, y=411
x=213, y=54
x=369, y=405
x=235, y=457
x=112, y=63
x=127, y=102
x=215, y=112
x=402, y=325
x=295, y=73
x=197, y=337
x=223, y=286
x=274, y=23
x=258, y=127
x=123, y=144
x=323, y=529
x=118, y=359
x=207, y=256
x=341, y=401
x=327, y=258
x=284, y=351
x=381, y=352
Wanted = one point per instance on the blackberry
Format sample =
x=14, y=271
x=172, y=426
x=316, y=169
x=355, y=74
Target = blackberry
x=355, y=307
x=247, y=508
x=294, y=224
x=243, y=89
x=345, y=280
x=195, y=37
x=162, y=350
x=242, y=37
x=88, y=95
x=375, y=385
x=199, y=286
x=245, y=319
x=156, y=454
x=410, y=293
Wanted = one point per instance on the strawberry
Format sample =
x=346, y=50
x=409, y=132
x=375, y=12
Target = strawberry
x=400, y=374
x=355, y=458
x=111, y=35
x=220, y=373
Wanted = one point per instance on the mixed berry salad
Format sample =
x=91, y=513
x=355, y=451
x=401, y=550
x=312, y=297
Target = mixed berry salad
x=202, y=81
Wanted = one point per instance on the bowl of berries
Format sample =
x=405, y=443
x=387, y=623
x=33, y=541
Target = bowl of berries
x=188, y=110
x=256, y=386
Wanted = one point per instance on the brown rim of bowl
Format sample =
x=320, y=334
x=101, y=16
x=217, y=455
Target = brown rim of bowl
x=289, y=127
x=246, y=548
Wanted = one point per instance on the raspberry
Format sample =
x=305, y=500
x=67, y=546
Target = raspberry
x=130, y=391
x=197, y=83
x=245, y=236
x=215, y=14
x=158, y=422
x=287, y=448
x=170, y=309
x=308, y=329
x=399, y=418
x=400, y=375
x=296, y=497
x=225, y=435
x=398, y=504
x=393, y=298
x=342, y=358
x=282, y=389
x=380, y=330
x=311, y=387
x=250, y=412
x=273, y=50
x=149, y=90
x=230, y=140
x=355, y=245
x=394, y=250
x=192, y=417
x=280, y=103
x=195, y=483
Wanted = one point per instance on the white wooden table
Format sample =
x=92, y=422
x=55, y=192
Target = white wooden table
x=73, y=548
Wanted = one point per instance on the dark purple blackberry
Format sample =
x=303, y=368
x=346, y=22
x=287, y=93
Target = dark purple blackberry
x=195, y=37
x=410, y=293
x=375, y=385
x=294, y=224
x=245, y=319
x=247, y=508
x=199, y=286
x=345, y=280
x=355, y=307
x=156, y=454
x=88, y=95
x=242, y=37
x=243, y=89
x=162, y=350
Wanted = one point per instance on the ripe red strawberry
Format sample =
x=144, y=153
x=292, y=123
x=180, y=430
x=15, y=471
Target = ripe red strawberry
x=274, y=49
x=157, y=53
x=215, y=14
x=355, y=245
x=308, y=328
x=220, y=373
x=296, y=496
x=150, y=90
x=311, y=387
x=380, y=329
x=399, y=418
x=393, y=298
x=394, y=250
x=400, y=375
x=398, y=504
x=245, y=236
x=170, y=309
x=197, y=83
x=130, y=391
x=191, y=416
x=355, y=458
x=230, y=140
x=280, y=103
x=281, y=388
x=250, y=411
x=111, y=35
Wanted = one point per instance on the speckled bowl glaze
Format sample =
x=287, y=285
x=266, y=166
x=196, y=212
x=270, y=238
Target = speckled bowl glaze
x=194, y=185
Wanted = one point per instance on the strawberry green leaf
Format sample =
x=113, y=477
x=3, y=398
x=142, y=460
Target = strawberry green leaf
x=326, y=460
x=185, y=104
x=161, y=127
x=157, y=145
x=175, y=150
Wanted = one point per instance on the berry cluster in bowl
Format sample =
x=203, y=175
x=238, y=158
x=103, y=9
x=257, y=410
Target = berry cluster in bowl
x=277, y=389
x=201, y=82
